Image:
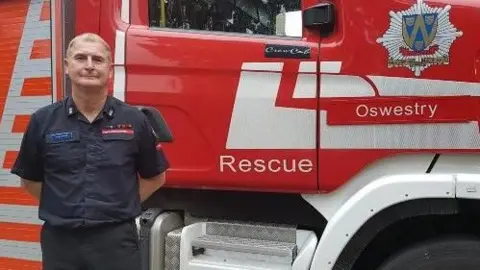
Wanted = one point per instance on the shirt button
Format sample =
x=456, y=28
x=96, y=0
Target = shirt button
x=90, y=129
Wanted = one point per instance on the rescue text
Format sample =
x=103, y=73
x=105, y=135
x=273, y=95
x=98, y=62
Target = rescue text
x=229, y=163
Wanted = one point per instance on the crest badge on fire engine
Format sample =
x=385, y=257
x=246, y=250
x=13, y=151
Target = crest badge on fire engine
x=419, y=37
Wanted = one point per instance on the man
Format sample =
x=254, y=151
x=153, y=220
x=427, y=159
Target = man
x=81, y=157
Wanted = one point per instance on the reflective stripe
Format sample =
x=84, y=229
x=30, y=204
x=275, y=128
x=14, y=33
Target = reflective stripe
x=288, y=128
x=330, y=66
x=407, y=136
x=34, y=31
x=125, y=11
x=19, y=214
x=119, y=69
x=24, y=68
x=20, y=250
x=397, y=86
x=6, y=178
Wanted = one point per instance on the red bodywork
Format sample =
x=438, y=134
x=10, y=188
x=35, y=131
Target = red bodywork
x=192, y=78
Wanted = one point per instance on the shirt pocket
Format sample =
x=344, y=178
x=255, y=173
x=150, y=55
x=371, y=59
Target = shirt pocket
x=119, y=148
x=63, y=151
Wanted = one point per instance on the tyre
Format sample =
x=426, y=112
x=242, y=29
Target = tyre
x=439, y=254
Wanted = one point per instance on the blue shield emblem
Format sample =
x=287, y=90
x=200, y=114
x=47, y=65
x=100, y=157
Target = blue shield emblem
x=419, y=30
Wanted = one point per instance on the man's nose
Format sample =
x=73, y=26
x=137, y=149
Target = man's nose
x=89, y=62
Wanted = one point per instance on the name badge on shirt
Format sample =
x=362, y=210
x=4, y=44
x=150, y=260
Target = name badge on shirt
x=61, y=137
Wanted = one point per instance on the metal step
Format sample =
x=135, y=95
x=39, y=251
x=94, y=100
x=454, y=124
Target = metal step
x=253, y=242
x=172, y=250
x=246, y=245
x=281, y=233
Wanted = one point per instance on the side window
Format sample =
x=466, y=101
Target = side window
x=257, y=17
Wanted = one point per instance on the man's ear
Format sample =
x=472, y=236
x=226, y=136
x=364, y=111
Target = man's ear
x=110, y=71
x=65, y=65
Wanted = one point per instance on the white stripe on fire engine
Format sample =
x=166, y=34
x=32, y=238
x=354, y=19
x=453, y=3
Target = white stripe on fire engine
x=325, y=66
x=19, y=214
x=292, y=128
x=8, y=141
x=257, y=124
x=125, y=11
x=332, y=86
x=409, y=136
x=330, y=66
x=405, y=136
x=306, y=83
x=25, y=67
x=329, y=84
x=20, y=250
x=7, y=179
x=119, y=68
x=391, y=86
x=307, y=67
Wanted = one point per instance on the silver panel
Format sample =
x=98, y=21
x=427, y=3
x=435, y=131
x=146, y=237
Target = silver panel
x=253, y=231
x=164, y=223
x=172, y=250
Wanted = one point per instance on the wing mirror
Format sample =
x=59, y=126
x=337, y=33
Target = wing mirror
x=289, y=24
x=158, y=124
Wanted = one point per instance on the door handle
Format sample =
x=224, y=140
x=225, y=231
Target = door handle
x=320, y=17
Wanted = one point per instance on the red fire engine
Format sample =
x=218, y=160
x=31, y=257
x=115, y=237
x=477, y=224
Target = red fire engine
x=305, y=134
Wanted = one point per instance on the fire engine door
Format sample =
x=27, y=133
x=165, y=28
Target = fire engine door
x=237, y=83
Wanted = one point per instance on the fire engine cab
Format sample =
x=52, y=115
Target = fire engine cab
x=302, y=134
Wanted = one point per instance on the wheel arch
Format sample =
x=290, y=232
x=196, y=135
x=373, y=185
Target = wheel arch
x=377, y=197
x=371, y=241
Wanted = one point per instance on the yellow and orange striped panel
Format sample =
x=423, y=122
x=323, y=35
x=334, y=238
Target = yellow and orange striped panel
x=25, y=86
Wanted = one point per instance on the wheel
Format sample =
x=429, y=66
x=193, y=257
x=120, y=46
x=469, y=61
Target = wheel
x=439, y=254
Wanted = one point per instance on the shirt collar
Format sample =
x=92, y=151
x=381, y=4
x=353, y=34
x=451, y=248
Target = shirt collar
x=108, y=108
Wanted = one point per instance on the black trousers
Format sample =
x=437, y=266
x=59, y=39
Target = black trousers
x=107, y=247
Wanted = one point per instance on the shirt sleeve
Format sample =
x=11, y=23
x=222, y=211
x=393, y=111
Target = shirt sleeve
x=28, y=164
x=152, y=160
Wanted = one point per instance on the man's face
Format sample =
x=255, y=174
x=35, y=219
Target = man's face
x=88, y=65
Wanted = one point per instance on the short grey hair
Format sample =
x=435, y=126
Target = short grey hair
x=90, y=37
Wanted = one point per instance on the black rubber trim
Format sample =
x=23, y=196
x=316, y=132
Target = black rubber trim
x=432, y=164
x=264, y=207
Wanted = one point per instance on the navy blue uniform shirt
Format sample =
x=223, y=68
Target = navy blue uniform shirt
x=88, y=170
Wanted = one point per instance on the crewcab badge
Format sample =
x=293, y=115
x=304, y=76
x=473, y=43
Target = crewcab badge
x=287, y=51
